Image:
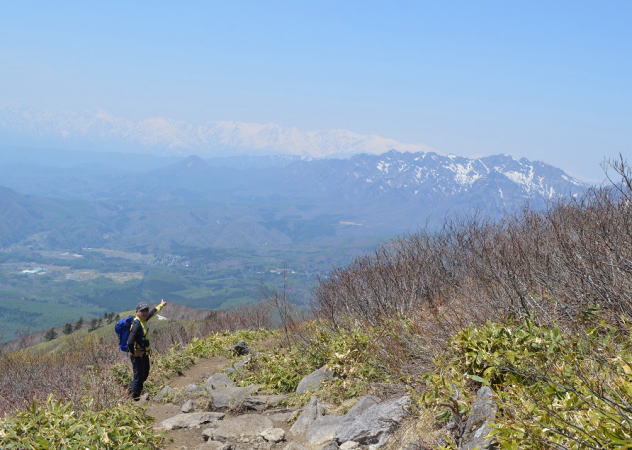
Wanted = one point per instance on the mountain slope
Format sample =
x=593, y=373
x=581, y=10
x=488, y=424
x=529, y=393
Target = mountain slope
x=200, y=204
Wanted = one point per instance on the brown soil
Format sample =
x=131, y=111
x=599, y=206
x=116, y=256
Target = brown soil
x=201, y=370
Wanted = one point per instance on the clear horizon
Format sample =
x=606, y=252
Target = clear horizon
x=543, y=81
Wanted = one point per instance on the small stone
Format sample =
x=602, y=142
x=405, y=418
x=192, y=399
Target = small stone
x=241, y=348
x=477, y=426
x=194, y=388
x=241, y=364
x=349, y=445
x=189, y=406
x=165, y=391
x=273, y=434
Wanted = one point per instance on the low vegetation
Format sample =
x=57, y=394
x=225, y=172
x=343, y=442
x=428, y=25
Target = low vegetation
x=58, y=424
x=538, y=307
x=554, y=389
x=350, y=356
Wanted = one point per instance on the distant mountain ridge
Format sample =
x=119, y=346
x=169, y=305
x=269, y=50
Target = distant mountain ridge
x=274, y=203
x=420, y=174
x=160, y=135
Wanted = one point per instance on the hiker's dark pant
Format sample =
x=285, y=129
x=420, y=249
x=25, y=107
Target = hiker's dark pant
x=140, y=366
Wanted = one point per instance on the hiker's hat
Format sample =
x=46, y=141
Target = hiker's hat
x=141, y=306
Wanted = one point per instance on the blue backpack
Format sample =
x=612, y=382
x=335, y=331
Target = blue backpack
x=122, y=328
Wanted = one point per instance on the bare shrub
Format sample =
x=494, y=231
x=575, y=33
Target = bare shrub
x=563, y=265
x=84, y=369
x=26, y=377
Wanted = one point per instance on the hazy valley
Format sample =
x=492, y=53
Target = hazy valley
x=83, y=234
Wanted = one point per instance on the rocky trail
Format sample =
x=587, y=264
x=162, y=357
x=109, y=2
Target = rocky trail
x=204, y=409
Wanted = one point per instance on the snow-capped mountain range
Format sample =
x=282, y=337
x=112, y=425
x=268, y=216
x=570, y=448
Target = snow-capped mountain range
x=276, y=201
x=404, y=191
x=159, y=135
x=385, y=191
x=431, y=173
x=394, y=191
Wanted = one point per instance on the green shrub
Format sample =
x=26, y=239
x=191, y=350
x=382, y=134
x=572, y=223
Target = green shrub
x=60, y=425
x=349, y=354
x=279, y=370
x=122, y=373
x=553, y=390
x=220, y=343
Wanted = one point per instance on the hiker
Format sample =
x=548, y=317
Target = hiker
x=138, y=346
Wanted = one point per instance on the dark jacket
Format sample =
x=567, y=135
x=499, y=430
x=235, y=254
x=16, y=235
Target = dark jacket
x=138, y=334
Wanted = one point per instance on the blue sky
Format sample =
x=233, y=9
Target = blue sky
x=547, y=80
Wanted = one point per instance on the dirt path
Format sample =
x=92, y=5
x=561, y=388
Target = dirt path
x=200, y=371
x=185, y=438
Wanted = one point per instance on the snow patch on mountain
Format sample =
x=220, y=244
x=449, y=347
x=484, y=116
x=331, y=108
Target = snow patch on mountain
x=453, y=175
x=207, y=139
x=465, y=174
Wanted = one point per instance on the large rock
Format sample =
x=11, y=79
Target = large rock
x=239, y=428
x=262, y=402
x=190, y=420
x=478, y=421
x=313, y=381
x=374, y=425
x=361, y=405
x=310, y=413
x=323, y=429
x=230, y=397
x=217, y=381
